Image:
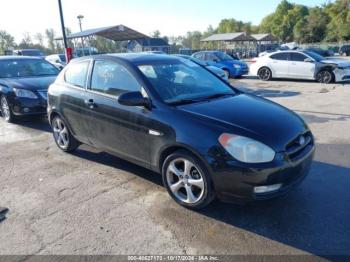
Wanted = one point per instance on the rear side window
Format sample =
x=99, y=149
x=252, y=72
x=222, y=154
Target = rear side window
x=297, y=57
x=112, y=78
x=76, y=74
x=280, y=56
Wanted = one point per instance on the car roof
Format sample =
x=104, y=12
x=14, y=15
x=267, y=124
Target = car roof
x=210, y=51
x=15, y=57
x=137, y=58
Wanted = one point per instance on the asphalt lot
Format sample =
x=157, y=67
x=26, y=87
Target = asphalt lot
x=90, y=202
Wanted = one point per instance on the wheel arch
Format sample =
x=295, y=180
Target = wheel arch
x=170, y=149
x=165, y=152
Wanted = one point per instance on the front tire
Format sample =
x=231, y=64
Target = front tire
x=325, y=77
x=265, y=74
x=187, y=180
x=63, y=137
x=6, y=110
x=227, y=73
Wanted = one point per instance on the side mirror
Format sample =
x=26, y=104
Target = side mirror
x=133, y=99
x=308, y=60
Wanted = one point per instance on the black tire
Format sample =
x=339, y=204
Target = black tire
x=62, y=136
x=205, y=195
x=6, y=110
x=227, y=73
x=265, y=74
x=325, y=77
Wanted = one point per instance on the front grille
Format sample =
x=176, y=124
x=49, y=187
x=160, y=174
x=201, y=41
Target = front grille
x=43, y=93
x=300, y=146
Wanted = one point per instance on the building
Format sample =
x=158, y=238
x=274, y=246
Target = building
x=149, y=44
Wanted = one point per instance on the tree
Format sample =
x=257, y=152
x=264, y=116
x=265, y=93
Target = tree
x=50, y=36
x=338, y=28
x=155, y=34
x=7, y=41
x=192, y=40
x=312, y=28
x=39, y=39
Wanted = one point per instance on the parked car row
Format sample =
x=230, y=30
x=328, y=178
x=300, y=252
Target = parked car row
x=169, y=114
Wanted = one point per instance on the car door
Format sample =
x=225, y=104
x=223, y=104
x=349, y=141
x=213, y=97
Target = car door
x=119, y=129
x=300, y=68
x=73, y=106
x=279, y=64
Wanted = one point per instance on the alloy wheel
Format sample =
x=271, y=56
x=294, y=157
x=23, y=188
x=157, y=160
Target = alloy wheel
x=325, y=77
x=185, y=181
x=60, y=133
x=265, y=74
x=5, y=108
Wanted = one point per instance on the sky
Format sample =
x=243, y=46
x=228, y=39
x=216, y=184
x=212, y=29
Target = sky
x=170, y=17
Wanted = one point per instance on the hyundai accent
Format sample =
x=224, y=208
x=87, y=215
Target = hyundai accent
x=177, y=118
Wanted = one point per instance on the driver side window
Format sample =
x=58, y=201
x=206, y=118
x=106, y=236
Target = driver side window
x=112, y=78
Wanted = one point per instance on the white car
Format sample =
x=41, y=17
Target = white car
x=299, y=64
x=58, y=60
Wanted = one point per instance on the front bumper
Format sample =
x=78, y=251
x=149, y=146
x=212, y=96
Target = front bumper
x=342, y=74
x=26, y=106
x=239, y=72
x=235, y=182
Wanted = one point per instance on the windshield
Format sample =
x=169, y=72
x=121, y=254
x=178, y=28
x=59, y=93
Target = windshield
x=315, y=56
x=26, y=68
x=184, y=81
x=223, y=56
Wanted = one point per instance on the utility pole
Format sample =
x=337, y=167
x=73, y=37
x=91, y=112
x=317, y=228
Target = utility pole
x=68, y=57
x=80, y=17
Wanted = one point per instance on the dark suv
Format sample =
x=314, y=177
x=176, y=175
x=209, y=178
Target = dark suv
x=344, y=50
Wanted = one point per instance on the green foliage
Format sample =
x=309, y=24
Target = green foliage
x=7, y=41
x=291, y=22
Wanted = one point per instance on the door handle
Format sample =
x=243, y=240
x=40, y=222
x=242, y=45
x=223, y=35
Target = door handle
x=90, y=103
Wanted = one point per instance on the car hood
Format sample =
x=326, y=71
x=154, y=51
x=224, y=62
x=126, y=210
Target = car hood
x=338, y=62
x=251, y=116
x=29, y=83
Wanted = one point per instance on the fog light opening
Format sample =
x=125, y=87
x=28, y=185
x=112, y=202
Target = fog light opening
x=267, y=189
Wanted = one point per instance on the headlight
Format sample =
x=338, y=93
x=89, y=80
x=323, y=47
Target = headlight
x=246, y=150
x=25, y=93
x=237, y=66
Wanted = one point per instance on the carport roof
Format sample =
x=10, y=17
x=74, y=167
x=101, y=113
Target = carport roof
x=264, y=37
x=240, y=36
x=116, y=33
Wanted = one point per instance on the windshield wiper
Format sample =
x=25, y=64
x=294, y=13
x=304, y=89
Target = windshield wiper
x=200, y=99
x=217, y=96
x=184, y=102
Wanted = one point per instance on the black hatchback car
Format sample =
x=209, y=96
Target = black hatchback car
x=177, y=118
x=23, y=86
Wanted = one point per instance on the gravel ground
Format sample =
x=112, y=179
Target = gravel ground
x=90, y=202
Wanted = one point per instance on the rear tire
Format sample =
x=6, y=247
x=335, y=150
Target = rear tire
x=6, y=112
x=265, y=74
x=325, y=77
x=63, y=137
x=187, y=180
